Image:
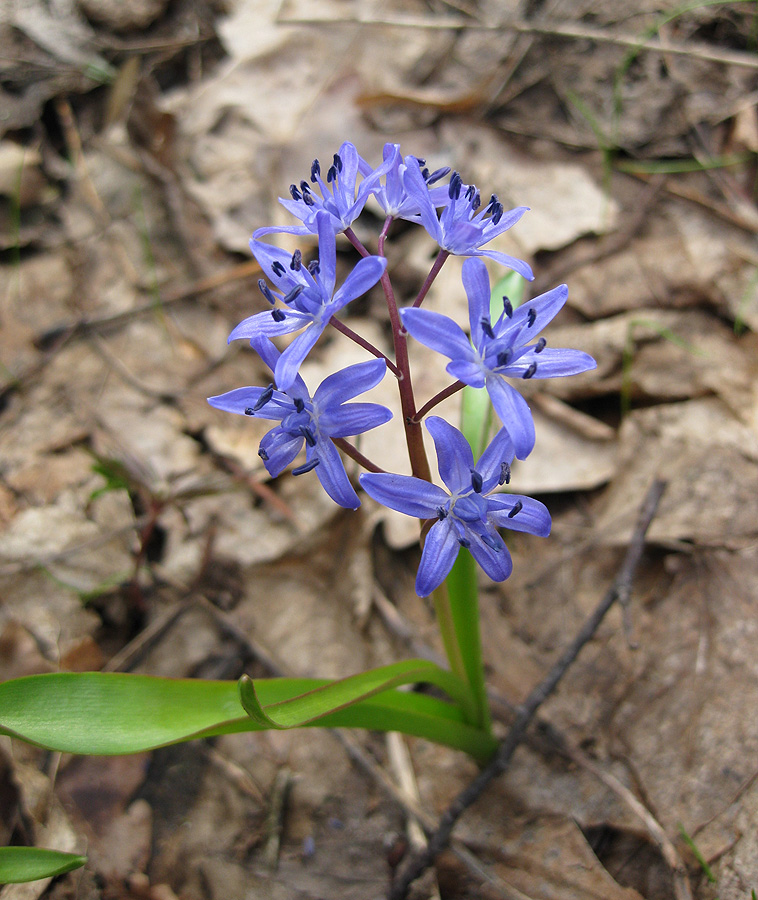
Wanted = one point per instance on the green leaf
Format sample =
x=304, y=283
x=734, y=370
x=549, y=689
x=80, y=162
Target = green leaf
x=19, y=864
x=338, y=695
x=105, y=714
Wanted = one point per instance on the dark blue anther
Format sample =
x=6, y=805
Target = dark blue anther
x=313, y=267
x=530, y=371
x=476, y=202
x=437, y=174
x=470, y=191
x=492, y=542
x=477, y=483
x=505, y=473
x=277, y=268
x=296, y=261
x=305, y=188
x=278, y=315
x=454, y=188
x=299, y=404
x=295, y=193
x=266, y=291
x=516, y=509
x=503, y=358
x=264, y=398
x=308, y=200
x=497, y=213
x=508, y=307
x=441, y=513
x=315, y=170
x=464, y=542
x=249, y=411
x=493, y=202
x=306, y=467
x=337, y=162
x=420, y=160
x=293, y=294
x=531, y=317
x=263, y=455
x=310, y=437
x=425, y=174
x=540, y=345
x=331, y=175
x=487, y=327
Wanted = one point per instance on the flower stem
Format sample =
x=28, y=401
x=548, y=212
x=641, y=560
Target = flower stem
x=446, y=623
x=362, y=342
x=355, y=453
x=438, y=398
x=438, y=263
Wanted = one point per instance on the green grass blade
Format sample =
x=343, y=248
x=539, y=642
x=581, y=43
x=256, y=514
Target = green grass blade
x=18, y=864
x=106, y=714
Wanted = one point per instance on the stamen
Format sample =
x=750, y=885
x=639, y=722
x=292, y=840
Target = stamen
x=266, y=291
x=491, y=542
x=493, y=202
x=437, y=174
x=476, y=202
x=306, y=467
x=263, y=399
x=277, y=268
x=530, y=371
x=540, y=345
x=420, y=160
x=263, y=455
x=297, y=261
x=425, y=174
x=464, y=542
x=293, y=294
x=470, y=191
x=313, y=267
x=307, y=433
x=503, y=358
x=508, y=307
x=305, y=188
x=308, y=200
x=497, y=213
x=337, y=162
x=477, y=481
x=278, y=315
x=331, y=175
x=315, y=170
x=441, y=513
x=249, y=411
x=299, y=404
x=487, y=327
x=531, y=317
x=516, y=509
x=505, y=473
x=454, y=188
x=295, y=193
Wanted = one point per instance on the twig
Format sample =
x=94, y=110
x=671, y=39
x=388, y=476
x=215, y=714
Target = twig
x=619, y=590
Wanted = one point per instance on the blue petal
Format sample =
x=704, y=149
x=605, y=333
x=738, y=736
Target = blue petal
x=419, y=190
x=331, y=473
x=518, y=265
x=349, y=382
x=267, y=255
x=440, y=550
x=496, y=563
x=281, y=448
x=454, y=457
x=476, y=282
x=354, y=418
x=263, y=324
x=532, y=518
x=438, y=332
x=327, y=252
x=362, y=278
x=292, y=358
x=500, y=450
x=404, y=493
x=545, y=308
x=551, y=363
x=467, y=371
x=240, y=399
x=282, y=229
x=513, y=412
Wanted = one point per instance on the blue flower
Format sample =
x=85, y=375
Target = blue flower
x=339, y=198
x=469, y=512
x=501, y=349
x=397, y=196
x=312, y=421
x=464, y=226
x=308, y=295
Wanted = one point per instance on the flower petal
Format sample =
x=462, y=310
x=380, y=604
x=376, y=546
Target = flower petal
x=404, y=493
x=362, y=278
x=348, y=383
x=438, y=332
x=532, y=517
x=476, y=282
x=496, y=563
x=263, y=324
x=292, y=358
x=518, y=265
x=467, y=371
x=454, y=457
x=331, y=473
x=353, y=418
x=544, y=308
x=279, y=449
x=500, y=450
x=440, y=550
x=513, y=411
x=240, y=399
x=551, y=363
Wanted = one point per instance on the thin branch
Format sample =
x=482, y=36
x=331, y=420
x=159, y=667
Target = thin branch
x=438, y=398
x=619, y=590
x=439, y=262
x=355, y=453
x=362, y=342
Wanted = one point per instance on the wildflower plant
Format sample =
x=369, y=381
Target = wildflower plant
x=460, y=520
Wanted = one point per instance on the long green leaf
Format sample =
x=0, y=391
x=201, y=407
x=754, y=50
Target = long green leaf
x=19, y=864
x=338, y=695
x=105, y=714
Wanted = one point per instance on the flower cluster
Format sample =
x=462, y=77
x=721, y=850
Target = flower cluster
x=303, y=297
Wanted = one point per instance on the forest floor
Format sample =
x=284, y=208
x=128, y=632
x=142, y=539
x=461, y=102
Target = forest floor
x=140, y=145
